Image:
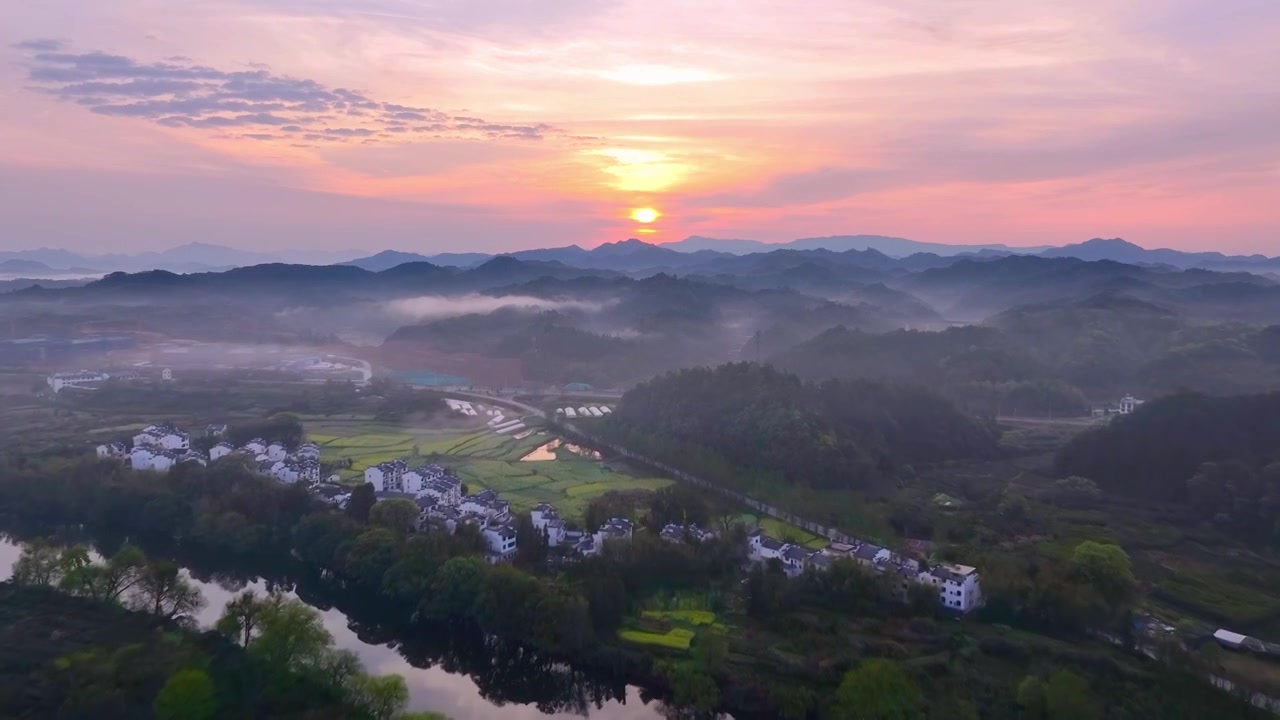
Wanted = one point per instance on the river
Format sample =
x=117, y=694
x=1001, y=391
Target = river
x=456, y=695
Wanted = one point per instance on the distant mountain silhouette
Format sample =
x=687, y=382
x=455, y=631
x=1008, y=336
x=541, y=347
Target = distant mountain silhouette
x=892, y=246
x=1123, y=251
x=15, y=265
x=386, y=260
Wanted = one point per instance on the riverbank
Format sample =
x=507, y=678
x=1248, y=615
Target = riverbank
x=447, y=670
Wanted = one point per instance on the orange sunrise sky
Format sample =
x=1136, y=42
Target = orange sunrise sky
x=466, y=125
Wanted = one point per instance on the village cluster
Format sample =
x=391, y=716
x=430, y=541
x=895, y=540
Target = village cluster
x=160, y=447
x=959, y=586
x=444, y=504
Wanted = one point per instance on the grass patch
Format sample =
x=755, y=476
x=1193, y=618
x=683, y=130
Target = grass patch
x=1217, y=598
x=690, y=617
x=674, y=639
x=786, y=532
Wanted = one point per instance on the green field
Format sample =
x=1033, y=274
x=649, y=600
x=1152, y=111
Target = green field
x=688, y=617
x=776, y=528
x=482, y=459
x=675, y=638
x=675, y=628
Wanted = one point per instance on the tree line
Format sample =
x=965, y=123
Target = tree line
x=289, y=667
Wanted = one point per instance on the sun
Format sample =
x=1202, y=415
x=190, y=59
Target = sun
x=644, y=215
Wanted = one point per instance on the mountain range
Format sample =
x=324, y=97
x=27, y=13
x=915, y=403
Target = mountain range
x=695, y=254
x=192, y=257
x=701, y=254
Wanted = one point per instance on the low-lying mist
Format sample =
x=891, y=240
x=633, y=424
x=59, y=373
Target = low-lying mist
x=437, y=307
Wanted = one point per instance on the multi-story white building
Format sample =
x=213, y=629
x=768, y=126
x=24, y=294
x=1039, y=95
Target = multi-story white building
x=166, y=437
x=501, y=540
x=221, y=450
x=83, y=378
x=385, y=476
x=1128, y=404
x=546, y=519
x=155, y=459
x=959, y=587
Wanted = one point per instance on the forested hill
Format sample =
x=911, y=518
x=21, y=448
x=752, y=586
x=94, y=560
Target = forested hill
x=747, y=418
x=1218, y=455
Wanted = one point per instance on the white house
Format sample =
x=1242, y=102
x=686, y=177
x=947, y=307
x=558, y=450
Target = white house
x=1128, y=404
x=57, y=381
x=221, y=450
x=140, y=457
x=308, y=470
x=763, y=547
x=309, y=451
x=613, y=529
x=256, y=447
x=143, y=458
x=194, y=456
x=166, y=437
x=547, y=521
x=411, y=482
x=385, y=476
x=501, y=540
x=485, y=504
x=958, y=586
x=681, y=533
x=277, y=451
x=871, y=555
x=111, y=449
x=447, y=490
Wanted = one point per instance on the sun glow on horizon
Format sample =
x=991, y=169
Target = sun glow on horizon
x=645, y=215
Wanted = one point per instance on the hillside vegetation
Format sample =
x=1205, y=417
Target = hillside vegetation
x=1218, y=456
x=747, y=418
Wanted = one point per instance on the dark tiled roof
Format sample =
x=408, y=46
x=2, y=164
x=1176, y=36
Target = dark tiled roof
x=868, y=552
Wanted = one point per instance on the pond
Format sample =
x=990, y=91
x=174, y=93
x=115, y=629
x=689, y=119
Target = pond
x=547, y=451
x=457, y=695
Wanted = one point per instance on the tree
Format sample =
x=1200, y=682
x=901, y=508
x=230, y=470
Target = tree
x=1031, y=698
x=162, y=591
x=292, y=635
x=186, y=695
x=1013, y=506
x=41, y=563
x=1067, y=697
x=361, y=502
x=878, y=689
x=335, y=667
x=679, y=504
x=399, y=515
x=318, y=537
x=382, y=696
x=457, y=586
x=367, y=559
x=531, y=544
x=1105, y=568
x=107, y=582
x=242, y=617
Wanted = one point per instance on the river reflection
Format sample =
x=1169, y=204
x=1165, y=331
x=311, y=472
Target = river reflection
x=432, y=686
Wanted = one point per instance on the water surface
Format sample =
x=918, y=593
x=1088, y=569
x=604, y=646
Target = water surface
x=431, y=688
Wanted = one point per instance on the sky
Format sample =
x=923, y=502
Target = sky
x=496, y=125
